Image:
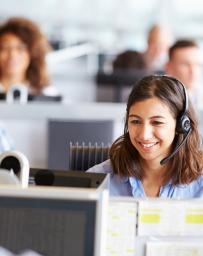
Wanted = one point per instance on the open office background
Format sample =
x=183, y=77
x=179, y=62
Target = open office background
x=92, y=32
x=86, y=36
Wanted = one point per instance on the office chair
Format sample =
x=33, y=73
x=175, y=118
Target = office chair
x=82, y=157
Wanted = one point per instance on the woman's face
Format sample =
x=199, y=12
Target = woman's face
x=14, y=56
x=151, y=128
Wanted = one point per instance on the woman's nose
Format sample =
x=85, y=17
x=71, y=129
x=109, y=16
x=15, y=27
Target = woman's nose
x=145, y=132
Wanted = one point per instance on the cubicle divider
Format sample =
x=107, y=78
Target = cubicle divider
x=28, y=126
x=62, y=132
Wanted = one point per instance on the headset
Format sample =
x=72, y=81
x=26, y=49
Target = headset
x=183, y=123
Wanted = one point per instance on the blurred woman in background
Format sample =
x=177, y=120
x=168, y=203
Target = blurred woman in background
x=23, y=49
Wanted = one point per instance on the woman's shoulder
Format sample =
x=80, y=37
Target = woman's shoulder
x=104, y=167
x=196, y=187
x=198, y=181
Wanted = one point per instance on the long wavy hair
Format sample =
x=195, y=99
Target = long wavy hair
x=37, y=45
x=187, y=164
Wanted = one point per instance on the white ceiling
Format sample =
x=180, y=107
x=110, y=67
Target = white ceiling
x=109, y=22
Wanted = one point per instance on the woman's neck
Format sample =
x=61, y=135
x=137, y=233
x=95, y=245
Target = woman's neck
x=153, y=178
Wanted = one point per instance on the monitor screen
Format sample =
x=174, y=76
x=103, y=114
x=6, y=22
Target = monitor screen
x=49, y=226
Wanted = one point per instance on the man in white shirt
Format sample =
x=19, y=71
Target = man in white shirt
x=159, y=40
x=184, y=64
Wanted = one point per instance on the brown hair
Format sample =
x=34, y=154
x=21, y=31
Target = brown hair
x=37, y=44
x=129, y=60
x=187, y=164
x=181, y=44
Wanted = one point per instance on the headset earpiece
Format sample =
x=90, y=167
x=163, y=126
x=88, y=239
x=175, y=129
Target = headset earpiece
x=183, y=121
x=183, y=124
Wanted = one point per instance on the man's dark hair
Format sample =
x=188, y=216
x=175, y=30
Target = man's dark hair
x=184, y=43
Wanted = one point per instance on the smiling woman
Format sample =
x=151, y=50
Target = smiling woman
x=151, y=134
x=160, y=152
x=14, y=59
x=23, y=49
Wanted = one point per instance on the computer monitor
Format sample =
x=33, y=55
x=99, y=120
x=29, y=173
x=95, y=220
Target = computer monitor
x=53, y=221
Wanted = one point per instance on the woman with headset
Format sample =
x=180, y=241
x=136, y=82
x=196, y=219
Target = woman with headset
x=160, y=153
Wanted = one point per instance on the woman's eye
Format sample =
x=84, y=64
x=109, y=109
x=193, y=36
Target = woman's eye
x=157, y=123
x=135, y=121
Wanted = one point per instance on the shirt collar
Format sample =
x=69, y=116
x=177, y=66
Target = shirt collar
x=137, y=188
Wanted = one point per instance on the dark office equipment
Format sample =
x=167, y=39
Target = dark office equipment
x=62, y=132
x=119, y=80
x=32, y=97
x=11, y=163
x=45, y=98
x=46, y=177
x=2, y=96
x=57, y=222
x=83, y=156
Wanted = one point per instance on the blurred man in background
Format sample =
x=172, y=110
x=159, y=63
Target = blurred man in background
x=153, y=58
x=184, y=64
x=158, y=42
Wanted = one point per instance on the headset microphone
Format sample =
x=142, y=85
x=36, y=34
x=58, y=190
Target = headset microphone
x=163, y=161
x=183, y=124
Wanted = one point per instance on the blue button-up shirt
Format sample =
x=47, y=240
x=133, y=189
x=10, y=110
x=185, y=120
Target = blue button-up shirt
x=130, y=186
